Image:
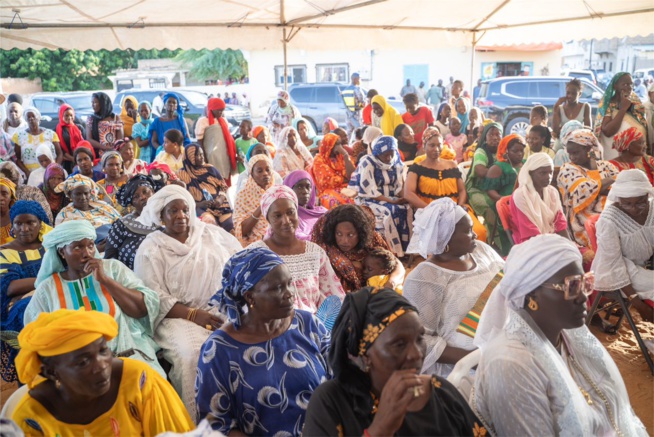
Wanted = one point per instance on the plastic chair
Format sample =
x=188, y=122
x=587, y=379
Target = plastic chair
x=503, y=207
x=614, y=302
x=10, y=405
x=460, y=376
x=464, y=168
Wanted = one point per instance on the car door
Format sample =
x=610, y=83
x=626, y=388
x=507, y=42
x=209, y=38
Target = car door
x=49, y=109
x=515, y=93
x=329, y=103
x=549, y=91
x=301, y=97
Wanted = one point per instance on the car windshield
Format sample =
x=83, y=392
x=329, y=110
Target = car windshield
x=195, y=97
x=79, y=102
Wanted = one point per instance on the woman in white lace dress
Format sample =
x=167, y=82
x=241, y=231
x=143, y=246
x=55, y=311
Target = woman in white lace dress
x=458, y=270
x=627, y=224
x=313, y=276
x=183, y=262
x=542, y=372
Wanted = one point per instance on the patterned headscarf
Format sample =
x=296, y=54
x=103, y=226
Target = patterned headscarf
x=503, y=148
x=623, y=140
x=243, y=271
x=430, y=133
x=384, y=144
x=274, y=193
x=568, y=129
x=609, y=93
x=75, y=181
x=126, y=192
x=584, y=137
x=108, y=155
x=58, y=333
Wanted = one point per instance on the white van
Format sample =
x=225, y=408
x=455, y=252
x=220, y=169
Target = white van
x=643, y=73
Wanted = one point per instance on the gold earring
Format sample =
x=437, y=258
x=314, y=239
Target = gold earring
x=57, y=384
x=533, y=305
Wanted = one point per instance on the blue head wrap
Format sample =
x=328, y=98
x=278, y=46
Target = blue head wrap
x=242, y=272
x=248, y=155
x=463, y=117
x=28, y=207
x=440, y=109
x=64, y=234
x=180, y=115
x=384, y=144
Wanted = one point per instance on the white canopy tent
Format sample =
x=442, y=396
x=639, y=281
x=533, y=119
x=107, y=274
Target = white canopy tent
x=313, y=24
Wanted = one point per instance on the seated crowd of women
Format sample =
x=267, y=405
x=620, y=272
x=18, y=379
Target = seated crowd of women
x=298, y=288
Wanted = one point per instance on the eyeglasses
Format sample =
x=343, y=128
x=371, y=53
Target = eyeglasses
x=574, y=286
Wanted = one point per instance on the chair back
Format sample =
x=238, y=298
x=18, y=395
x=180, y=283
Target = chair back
x=12, y=402
x=460, y=376
x=504, y=213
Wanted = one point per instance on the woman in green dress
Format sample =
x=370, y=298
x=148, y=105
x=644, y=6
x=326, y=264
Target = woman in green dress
x=501, y=178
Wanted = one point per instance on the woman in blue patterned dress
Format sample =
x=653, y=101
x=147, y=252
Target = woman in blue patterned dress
x=20, y=261
x=379, y=182
x=257, y=373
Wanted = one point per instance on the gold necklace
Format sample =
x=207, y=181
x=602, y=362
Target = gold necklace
x=596, y=389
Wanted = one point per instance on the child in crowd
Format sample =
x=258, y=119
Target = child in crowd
x=416, y=116
x=473, y=140
x=45, y=157
x=367, y=111
x=173, y=150
x=359, y=148
x=443, y=118
x=457, y=90
x=539, y=139
x=244, y=143
x=456, y=139
x=140, y=133
x=537, y=117
x=377, y=268
x=329, y=125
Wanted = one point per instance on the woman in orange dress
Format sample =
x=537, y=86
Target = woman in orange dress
x=332, y=169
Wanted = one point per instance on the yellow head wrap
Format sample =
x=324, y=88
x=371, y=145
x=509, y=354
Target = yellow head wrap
x=58, y=333
x=9, y=184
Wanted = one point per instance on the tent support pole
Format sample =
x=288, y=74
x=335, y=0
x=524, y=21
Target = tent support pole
x=472, y=62
x=285, y=62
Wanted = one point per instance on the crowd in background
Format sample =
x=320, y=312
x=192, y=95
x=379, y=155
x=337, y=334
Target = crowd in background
x=264, y=276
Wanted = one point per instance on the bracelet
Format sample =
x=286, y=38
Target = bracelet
x=190, y=316
x=256, y=218
x=366, y=433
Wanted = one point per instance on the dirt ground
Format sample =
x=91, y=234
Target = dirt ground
x=622, y=347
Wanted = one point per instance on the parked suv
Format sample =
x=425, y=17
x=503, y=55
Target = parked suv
x=317, y=101
x=508, y=100
x=48, y=105
x=193, y=102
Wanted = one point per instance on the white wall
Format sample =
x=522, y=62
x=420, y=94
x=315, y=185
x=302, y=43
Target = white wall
x=384, y=69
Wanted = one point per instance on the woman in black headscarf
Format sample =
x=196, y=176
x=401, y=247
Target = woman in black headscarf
x=103, y=127
x=126, y=233
x=376, y=355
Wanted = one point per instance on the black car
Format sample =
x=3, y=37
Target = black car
x=508, y=100
x=48, y=105
x=193, y=102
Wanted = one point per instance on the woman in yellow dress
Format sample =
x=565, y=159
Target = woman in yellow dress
x=77, y=387
x=436, y=177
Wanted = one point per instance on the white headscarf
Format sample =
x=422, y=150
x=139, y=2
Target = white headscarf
x=630, y=183
x=370, y=136
x=541, y=212
x=433, y=227
x=33, y=110
x=528, y=265
x=45, y=149
x=151, y=214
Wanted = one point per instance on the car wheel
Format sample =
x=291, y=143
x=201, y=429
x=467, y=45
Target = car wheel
x=518, y=126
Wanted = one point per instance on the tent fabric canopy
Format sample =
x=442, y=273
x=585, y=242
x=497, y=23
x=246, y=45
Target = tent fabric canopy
x=313, y=24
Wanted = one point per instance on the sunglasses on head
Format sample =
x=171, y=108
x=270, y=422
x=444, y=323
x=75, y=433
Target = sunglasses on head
x=573, y=286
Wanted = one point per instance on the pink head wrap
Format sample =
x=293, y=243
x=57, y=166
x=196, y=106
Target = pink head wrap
x=274, y=193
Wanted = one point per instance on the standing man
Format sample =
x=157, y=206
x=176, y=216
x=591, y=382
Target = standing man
x=355, y=101
x=422, y=93
x=435, y=96
x=408, y=89
x=448, y=88
x=475, y=92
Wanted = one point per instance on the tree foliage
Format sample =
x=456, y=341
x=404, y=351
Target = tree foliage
x=73, y=70
x=214, y=64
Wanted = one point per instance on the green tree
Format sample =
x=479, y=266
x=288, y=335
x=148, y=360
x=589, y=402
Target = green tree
x=214, y=64
x=73, y=70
